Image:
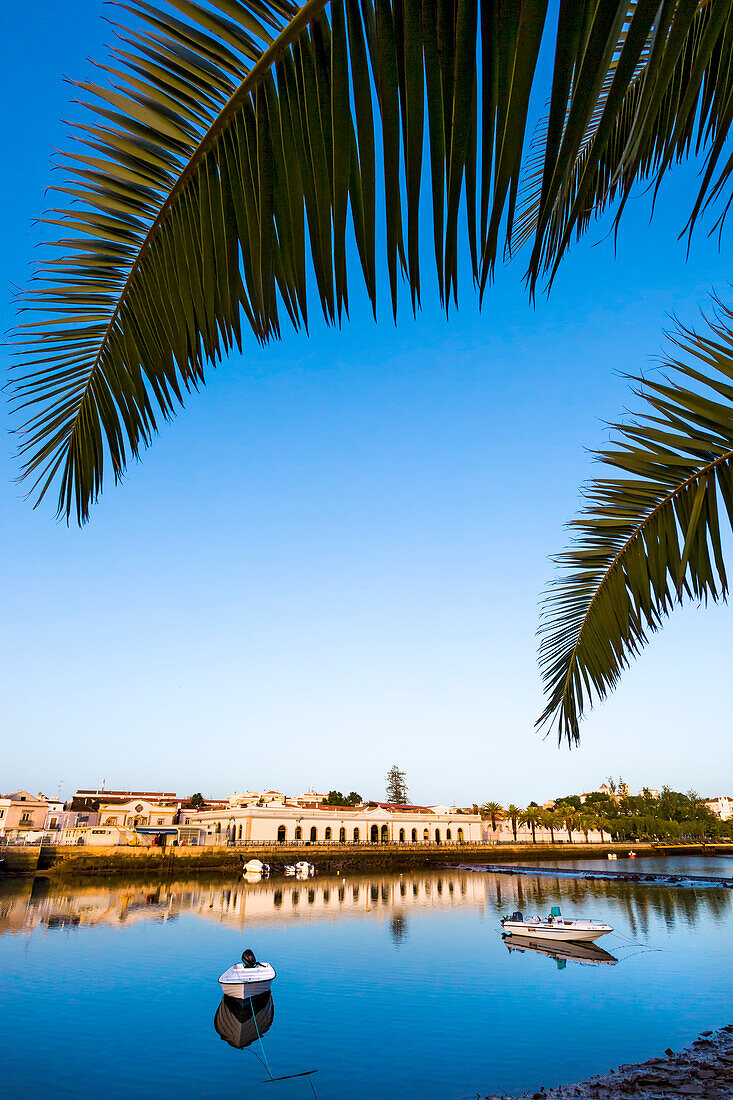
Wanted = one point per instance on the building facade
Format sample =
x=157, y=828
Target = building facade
x=368, y=824
x=137, y=812
x=722, y=806
x=22, y=813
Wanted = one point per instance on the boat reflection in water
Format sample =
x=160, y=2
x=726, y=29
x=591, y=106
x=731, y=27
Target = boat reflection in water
x=241, y=1023
x=562, y=952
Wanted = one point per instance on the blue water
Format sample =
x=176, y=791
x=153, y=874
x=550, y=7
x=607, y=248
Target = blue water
x=386, y=984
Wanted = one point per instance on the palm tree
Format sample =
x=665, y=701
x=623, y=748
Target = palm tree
x=230, y=154
x=569, y=820
x=531, y=816
x=513, y=814
x=494, y=811
x=549, y=821
x=586, y=823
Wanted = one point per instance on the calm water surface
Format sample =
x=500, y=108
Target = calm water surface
x=387, y=985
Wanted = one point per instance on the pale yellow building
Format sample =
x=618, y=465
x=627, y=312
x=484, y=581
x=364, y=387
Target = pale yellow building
x=137, y=812
x=372, y=823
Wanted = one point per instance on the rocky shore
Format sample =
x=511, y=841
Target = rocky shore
x=704, y=1069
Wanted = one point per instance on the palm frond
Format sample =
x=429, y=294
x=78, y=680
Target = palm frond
x=233, y=148
x=649, y=535
x=656, y=105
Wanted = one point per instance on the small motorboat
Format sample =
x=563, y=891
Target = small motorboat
x=255, y=869
x=248, y=978
x=555, y=927
x=632, y=855
x=304, y=869
x=290, y=869
x=611, y=855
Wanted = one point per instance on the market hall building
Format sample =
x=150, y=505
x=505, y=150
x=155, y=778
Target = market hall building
x=372, y=823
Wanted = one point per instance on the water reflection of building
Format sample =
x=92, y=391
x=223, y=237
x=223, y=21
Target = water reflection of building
x=40, y=903
x=30, y=905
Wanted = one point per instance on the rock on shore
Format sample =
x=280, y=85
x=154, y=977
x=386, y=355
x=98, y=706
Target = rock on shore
x=704, y=1069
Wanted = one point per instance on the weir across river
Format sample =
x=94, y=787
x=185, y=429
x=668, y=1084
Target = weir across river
x=648, y=877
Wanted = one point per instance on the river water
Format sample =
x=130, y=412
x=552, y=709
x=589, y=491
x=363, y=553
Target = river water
x=387, y=984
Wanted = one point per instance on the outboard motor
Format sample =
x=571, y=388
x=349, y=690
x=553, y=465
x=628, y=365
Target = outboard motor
x=248, y=958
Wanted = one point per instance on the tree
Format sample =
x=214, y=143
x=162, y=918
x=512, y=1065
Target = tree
x=549, y=821
x=513, y=814
x=531, y=817
x=336, y=798
x=492, y=810
x=396, y=786
x=196, y=802
x=239, y=139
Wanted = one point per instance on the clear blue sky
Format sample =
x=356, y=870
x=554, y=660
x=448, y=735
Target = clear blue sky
x=332, y=560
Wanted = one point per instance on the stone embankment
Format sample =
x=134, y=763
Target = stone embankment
x=704, y=1069
x=328, y=858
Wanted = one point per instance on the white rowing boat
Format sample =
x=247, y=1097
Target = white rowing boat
x=248, y=978
x=555, y=928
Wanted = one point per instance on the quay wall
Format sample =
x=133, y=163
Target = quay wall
x=60, y=861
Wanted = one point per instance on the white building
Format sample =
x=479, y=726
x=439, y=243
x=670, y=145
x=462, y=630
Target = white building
x=138, y=812
x=722, y=806
x=372, y=823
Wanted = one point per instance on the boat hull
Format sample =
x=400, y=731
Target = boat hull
x=559, y=934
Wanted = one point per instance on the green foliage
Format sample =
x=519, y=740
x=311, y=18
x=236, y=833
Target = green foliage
x=396, y=788
x=196, y=802
x=336, y=798
x=232, y=151
x=568, y=800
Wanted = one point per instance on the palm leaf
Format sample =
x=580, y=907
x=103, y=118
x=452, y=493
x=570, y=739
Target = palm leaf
x=649, y=535
x=642, y=122
x=233, y=147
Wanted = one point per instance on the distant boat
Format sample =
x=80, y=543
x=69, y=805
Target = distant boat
x=555, y=928
x=304, y=869
x=632, y=855
x=248, y=978
x=255, y=869
x=611, y=855
x=563, y=952
x=289, y=869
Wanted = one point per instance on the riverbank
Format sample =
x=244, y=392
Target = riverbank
x=328, y=858
x=703, y=1069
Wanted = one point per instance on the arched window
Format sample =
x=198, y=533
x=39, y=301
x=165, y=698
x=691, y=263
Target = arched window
x=281, y=834
x=402, y=836
x=298, y=832
x=218, y=828
x=385, y=835
x=314, y=833
x=328, y=833
x=448, y=834
x=426, y=836
x=356, y=836
x=342, y=835
x=414, y=836
x=239, y=832
x=375, y=834
x=460, y=836
x=437, y=836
